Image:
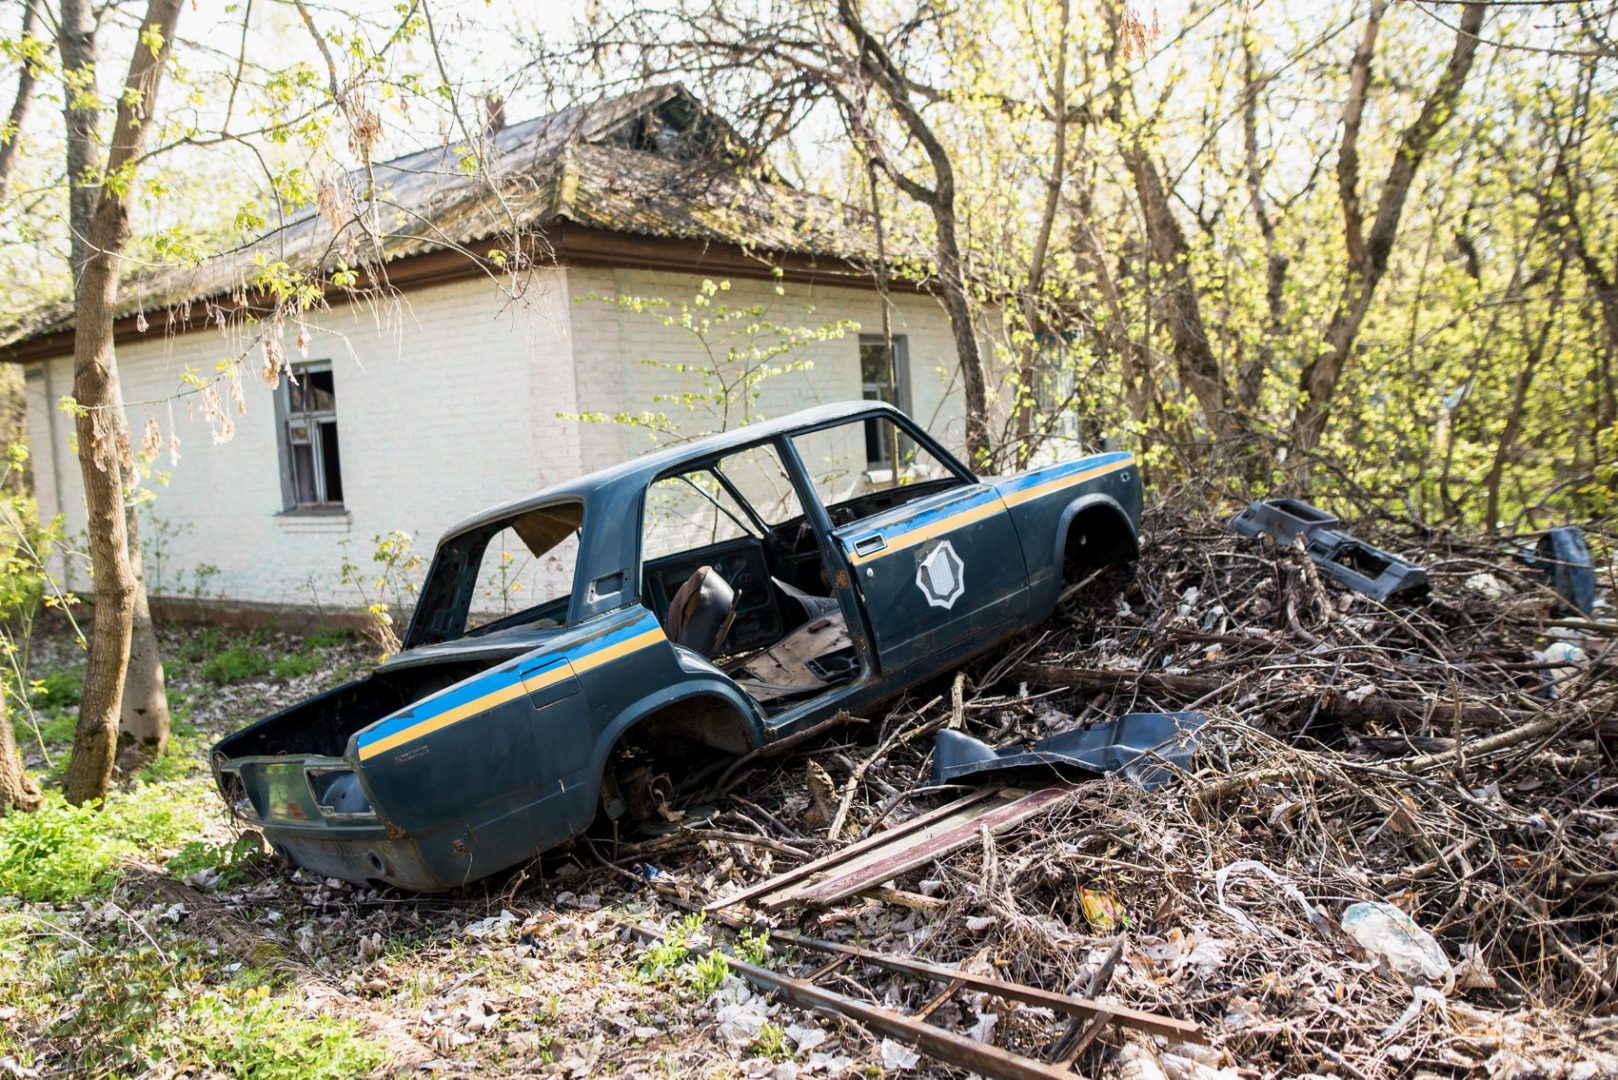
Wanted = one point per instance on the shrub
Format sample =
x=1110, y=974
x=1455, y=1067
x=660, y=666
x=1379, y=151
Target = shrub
x=59, y=688
x=236, y=663
x=62, y=852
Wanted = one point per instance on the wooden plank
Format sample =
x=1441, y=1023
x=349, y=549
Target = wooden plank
x=903, y=828
x=910, y=852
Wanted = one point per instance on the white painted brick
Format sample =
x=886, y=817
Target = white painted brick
x=447, y=403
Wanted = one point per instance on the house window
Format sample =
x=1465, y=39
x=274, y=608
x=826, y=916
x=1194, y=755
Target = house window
x=882, y=380
x=312, y=476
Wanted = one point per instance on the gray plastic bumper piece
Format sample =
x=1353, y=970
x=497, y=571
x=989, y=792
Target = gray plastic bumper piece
x=1135, y=746
x=1370, y=570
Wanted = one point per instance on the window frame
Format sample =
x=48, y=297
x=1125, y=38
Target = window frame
x=317, y=419
x=898, y=394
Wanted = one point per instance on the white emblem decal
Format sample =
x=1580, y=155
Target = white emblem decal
x=940, y=578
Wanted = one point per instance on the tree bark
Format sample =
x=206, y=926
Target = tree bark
x=17, y=790
x=1194, y=358
x=143, y=718
x=877, y=65
x=99, y=239
x=1368, y=254
x=19, y=104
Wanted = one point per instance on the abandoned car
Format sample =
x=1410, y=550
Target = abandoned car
x=704, y=599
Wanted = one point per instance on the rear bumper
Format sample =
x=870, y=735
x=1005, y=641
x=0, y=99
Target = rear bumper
x=293, y=802
x=372, y=860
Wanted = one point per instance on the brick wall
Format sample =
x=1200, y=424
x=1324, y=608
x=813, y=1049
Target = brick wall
x=447, y=403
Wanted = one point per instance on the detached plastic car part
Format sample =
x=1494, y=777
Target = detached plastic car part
x=1365, y=569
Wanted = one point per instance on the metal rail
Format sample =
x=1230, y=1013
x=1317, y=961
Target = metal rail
x=1087, y=1017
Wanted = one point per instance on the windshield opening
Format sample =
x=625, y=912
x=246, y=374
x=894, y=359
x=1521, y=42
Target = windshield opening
x=516, y=571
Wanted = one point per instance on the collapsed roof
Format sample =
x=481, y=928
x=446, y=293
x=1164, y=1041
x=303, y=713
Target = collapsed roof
x=654, y=163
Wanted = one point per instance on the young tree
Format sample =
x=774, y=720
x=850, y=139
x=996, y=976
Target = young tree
x=1367, y=253
x=99, y=218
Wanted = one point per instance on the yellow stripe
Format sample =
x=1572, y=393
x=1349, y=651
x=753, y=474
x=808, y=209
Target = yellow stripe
x=1017, y=498
x=444, y=720
x=548, y=677
x=922, y=535
x=978, y=513
x=623, y=648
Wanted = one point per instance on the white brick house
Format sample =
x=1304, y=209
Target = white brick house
x=417, y=408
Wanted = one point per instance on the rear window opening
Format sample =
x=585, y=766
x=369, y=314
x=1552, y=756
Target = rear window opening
x=515, y=571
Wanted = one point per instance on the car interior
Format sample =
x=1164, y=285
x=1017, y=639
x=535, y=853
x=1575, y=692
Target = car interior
x=731, y=566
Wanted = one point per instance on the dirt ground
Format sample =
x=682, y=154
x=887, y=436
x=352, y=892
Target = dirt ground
x=1423, y=753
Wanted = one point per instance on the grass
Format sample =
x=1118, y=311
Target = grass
x=115, y=1007
x=93, y=983
x=63, y=852
x=236, y=663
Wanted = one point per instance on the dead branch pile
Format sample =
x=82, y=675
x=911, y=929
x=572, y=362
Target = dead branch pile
x=1422, y=753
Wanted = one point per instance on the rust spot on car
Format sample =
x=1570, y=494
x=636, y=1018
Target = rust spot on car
x=294, y=810
x=394, y=831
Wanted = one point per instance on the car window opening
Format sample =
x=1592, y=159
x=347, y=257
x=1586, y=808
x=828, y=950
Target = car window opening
x=516, y=571
x=756, y=600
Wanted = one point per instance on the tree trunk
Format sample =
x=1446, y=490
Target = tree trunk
x=1533, y=353
x=1033, y=321
x=143, y=720
x=99, y=238
x=19, y=104
x=1368, y=255
x=876, y=64
x=17, y=790
x=1193, y=356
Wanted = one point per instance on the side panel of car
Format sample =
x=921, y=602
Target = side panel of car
x=502, y=743
x=1045, y=503
x=937, y=572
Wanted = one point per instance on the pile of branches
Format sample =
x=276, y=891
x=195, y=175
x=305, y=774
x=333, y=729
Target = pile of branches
x=1422, y=752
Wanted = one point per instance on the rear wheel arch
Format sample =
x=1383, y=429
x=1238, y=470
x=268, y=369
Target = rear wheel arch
x=708, y=715
x=1094, y=531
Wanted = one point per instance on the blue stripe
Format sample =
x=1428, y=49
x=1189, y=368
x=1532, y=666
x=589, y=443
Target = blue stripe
x=1056, y=472
x=492, y=681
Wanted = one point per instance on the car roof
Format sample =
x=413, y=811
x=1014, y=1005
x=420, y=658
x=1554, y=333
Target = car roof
x=640, y=471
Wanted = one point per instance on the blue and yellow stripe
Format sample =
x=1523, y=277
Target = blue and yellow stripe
x=1007, y=493
x=498, y=687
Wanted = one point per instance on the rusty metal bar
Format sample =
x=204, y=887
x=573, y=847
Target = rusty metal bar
x=996, y=820
x=943, y=995
x=843, y=854
x=1066, y=1055
x=946, y=1046
x=1148, y=1022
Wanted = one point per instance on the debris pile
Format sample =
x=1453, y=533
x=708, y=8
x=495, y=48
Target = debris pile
x=1374, y=781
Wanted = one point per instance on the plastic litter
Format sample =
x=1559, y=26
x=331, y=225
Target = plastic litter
x=1136, y=746
x=1392, y=937
x=1562, y=556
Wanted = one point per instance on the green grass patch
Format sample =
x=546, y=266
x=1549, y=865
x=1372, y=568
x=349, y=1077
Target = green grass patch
x=236, y=663
x=62, y=852
x=295, y=665
x=123, y=1006
x=327, y=637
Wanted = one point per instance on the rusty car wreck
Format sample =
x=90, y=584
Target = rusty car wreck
x=703, y=600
